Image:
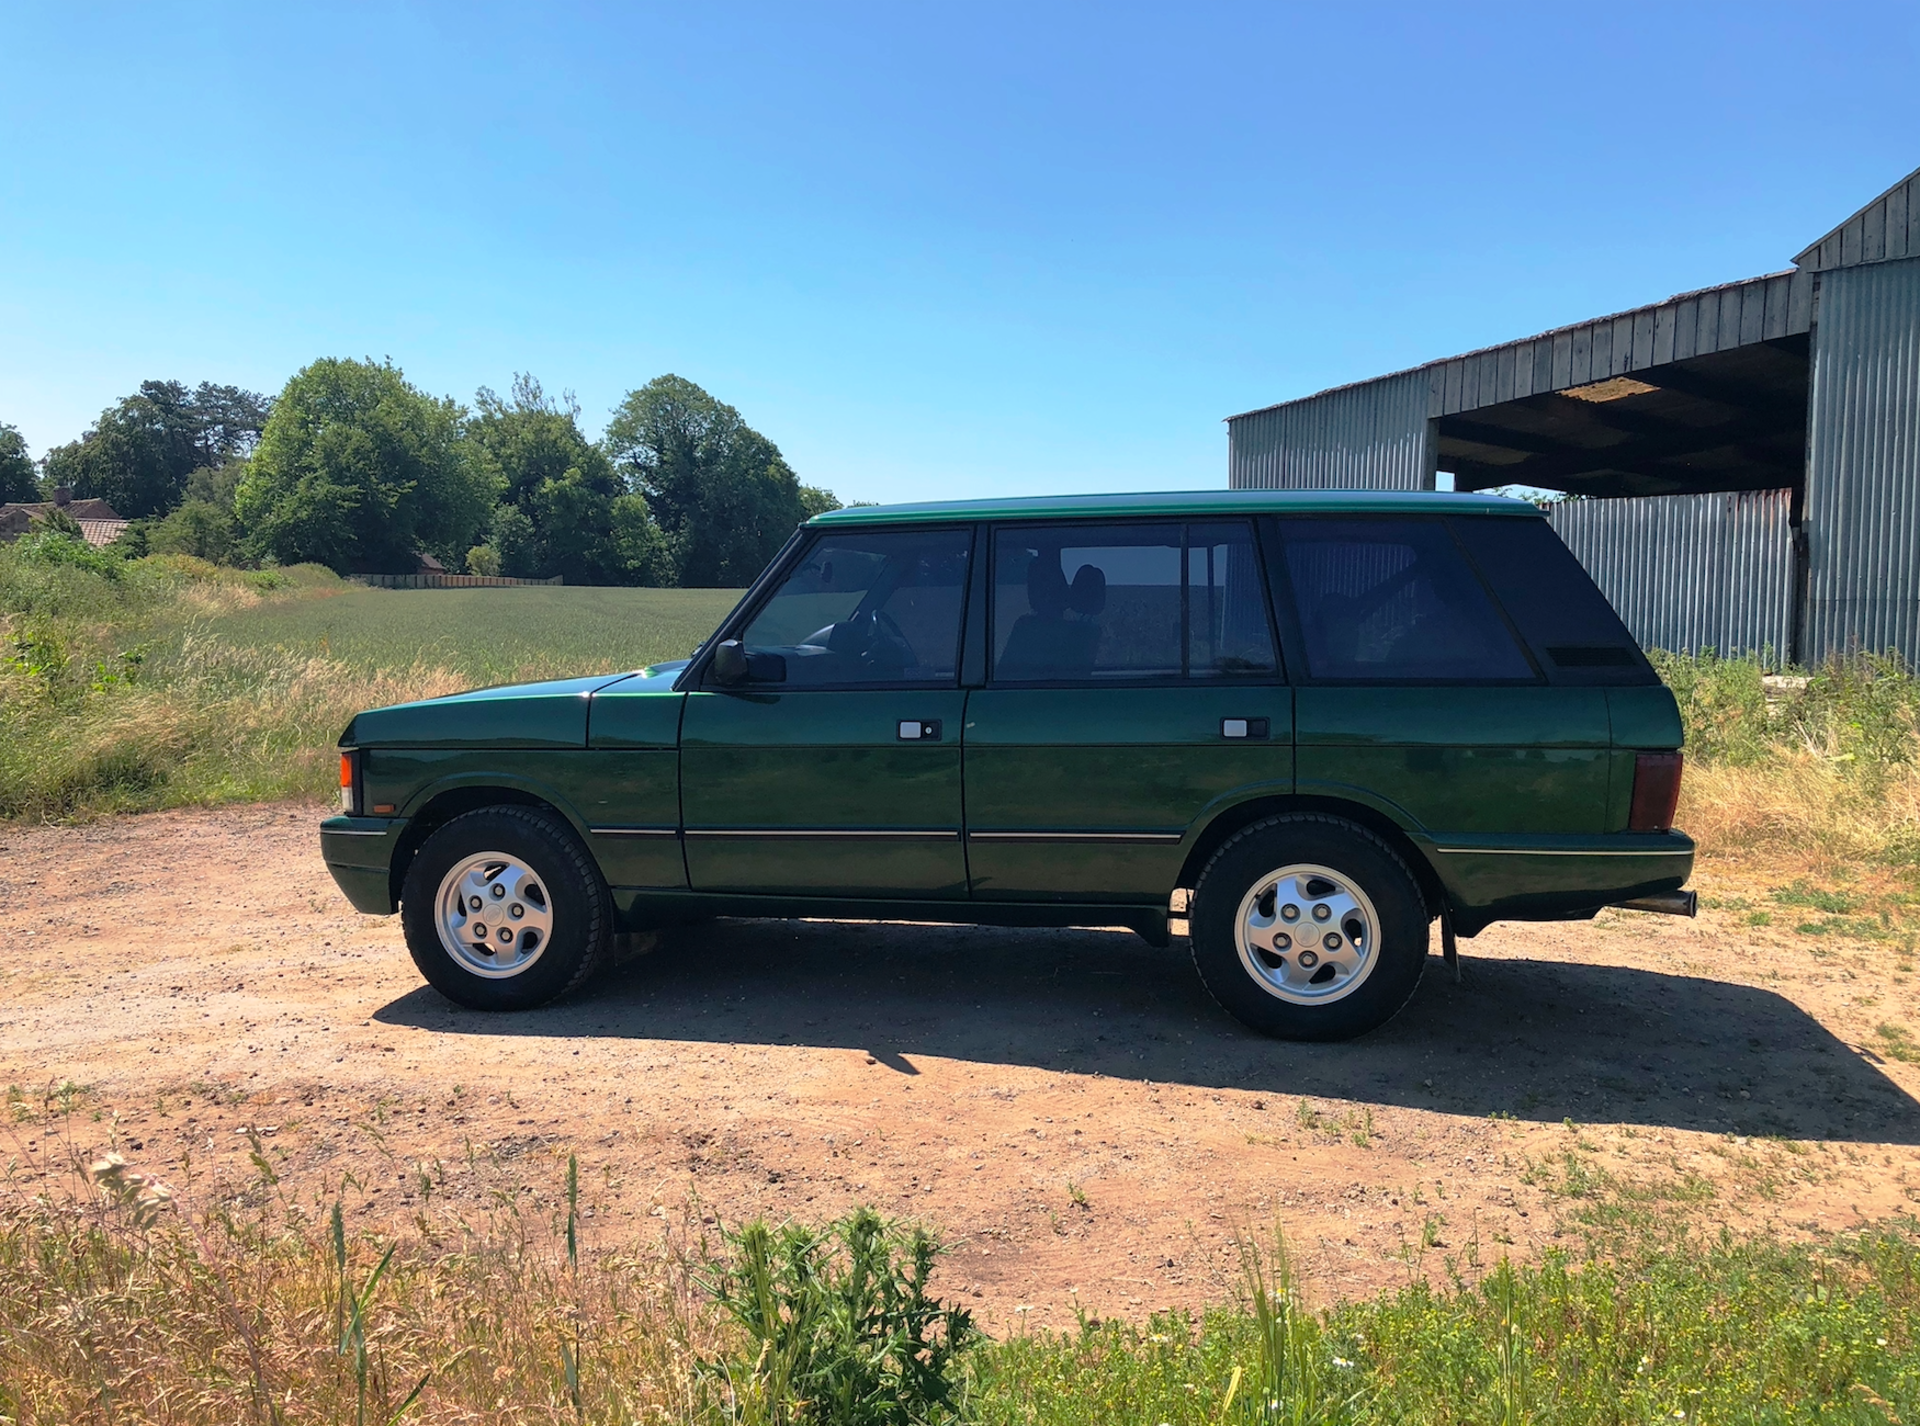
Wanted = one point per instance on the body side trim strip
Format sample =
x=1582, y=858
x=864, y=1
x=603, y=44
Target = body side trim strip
x=662, y=832
x=1557, y=852
x=1155, y=838
x=827, y=834
x=357, y=832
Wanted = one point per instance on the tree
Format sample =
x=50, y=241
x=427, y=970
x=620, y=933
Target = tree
x=16, y=468
x=196, y=527
x=358, y=470
x=139, y=455
x=515, y=546
x=723, y=496
x=564, y=486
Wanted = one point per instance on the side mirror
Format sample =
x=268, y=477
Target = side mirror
x=729, y=664
x=733, y=665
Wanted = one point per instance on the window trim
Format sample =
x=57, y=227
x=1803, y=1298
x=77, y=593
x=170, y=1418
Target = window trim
x=1286, y=606
x=1277, y=677
x=775, y=576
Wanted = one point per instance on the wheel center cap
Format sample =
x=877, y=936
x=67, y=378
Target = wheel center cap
x=1307, y=934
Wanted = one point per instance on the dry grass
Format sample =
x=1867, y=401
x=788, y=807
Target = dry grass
x=132, y=1306
x=1799, y=802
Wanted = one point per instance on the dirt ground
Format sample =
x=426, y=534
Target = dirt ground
x=1069, y=1108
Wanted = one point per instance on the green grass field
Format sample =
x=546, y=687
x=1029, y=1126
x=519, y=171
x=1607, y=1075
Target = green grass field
x=488, y=635
x=167, y=682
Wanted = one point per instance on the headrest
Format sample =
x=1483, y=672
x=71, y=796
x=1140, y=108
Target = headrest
x=1088, y=595
x=1046, y=587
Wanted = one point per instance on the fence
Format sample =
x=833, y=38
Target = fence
x=449, y=581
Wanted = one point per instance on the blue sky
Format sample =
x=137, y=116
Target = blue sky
x=930, y=250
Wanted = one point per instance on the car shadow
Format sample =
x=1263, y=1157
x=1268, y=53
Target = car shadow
x=1534, y=1039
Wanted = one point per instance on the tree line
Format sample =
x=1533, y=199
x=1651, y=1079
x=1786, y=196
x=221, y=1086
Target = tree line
x=352, y=466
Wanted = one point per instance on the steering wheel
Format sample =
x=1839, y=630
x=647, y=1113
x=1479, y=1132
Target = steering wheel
x=886, y=647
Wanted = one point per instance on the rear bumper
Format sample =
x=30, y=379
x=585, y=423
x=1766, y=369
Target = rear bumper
x=358, y=852
x=1553, y=878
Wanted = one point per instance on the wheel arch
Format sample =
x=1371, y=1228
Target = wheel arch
x=440, y=805
x=1241, y=815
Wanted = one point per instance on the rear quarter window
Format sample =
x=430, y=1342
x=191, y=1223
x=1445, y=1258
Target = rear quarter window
x=1565, y=619
x=1385, y=600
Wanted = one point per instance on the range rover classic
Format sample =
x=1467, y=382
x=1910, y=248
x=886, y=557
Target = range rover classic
x=1317, y=723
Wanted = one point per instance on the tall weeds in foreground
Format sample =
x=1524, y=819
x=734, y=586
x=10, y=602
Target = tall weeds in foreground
x=132, y=1303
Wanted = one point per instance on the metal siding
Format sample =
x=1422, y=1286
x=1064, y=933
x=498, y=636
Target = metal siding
x=1776, y=314
x=1873, y=240
x=1645, y=322
x=1691, y=572
x=1622, y=345
x=1686, y=326
x=1800, y=302
x=1706, y=324
x=1373, y=436
x=1863, y=463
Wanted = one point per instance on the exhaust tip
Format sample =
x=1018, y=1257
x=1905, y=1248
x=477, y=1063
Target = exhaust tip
x=1665, y=903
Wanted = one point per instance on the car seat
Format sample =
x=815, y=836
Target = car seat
x=1044, y=642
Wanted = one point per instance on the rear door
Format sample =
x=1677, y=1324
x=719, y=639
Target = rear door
x=1133, y=681
x=840, y=776
x=1416, y=696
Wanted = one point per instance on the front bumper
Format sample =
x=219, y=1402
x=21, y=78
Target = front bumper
x=359, y=852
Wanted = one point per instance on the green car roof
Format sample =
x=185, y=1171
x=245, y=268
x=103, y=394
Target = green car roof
x=1185, y=502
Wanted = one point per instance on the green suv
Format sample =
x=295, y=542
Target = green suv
x=1315, y=722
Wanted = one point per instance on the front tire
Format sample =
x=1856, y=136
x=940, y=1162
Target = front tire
x=504, y=910
x=1309, y=928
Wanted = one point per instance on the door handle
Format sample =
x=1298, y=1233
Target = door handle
x=915, y=730
x=1243, y=727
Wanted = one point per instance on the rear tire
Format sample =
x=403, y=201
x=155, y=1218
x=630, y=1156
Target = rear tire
x=1307, y=927
x=504, y=910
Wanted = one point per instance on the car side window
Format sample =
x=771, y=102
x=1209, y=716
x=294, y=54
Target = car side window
x=1384, y=600
x=1228, y=631
x=1079, y=603
x=1575, y=634
x=862, y=609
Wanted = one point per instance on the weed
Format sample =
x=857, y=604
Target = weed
x=1898, y=1043
x=838, y=1326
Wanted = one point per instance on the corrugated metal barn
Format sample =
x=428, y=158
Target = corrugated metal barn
x=1751, y=453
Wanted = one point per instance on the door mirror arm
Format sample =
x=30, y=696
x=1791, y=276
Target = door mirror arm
x=733, y=665
x=729, y=664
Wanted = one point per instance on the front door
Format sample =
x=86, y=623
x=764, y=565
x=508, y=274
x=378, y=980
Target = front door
x=836, y=770
x=1133, y=685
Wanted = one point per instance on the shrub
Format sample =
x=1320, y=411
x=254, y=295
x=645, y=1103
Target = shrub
x=839, y=1326
x=58, y=547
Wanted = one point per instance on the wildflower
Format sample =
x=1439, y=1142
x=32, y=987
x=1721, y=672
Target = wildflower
x=142, y=1195
x=1343, y=1363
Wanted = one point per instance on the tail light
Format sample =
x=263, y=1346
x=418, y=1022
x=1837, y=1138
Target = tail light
x=1656, y=791
x=350, y=783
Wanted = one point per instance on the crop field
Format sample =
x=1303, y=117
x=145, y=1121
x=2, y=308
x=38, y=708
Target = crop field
x=487, y=635
x=168, y=682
